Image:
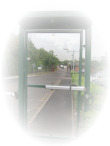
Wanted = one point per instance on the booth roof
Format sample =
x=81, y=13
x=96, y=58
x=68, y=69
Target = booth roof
x=55, y=20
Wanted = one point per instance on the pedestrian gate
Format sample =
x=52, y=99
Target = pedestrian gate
x=53, y=22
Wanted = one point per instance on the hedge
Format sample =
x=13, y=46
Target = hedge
x=100, y=94
x=100, y=97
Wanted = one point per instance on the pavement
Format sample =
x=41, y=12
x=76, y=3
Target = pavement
x=49, y=112
x=55, y=118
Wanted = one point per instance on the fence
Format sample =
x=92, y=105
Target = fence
x=41, y=69
x=98, y=87
x=99, y=83
x=7, y=71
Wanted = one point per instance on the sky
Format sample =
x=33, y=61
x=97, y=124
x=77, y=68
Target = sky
x=58, y=42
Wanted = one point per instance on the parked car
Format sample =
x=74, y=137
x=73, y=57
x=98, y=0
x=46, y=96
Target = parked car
x=104, y=83
x=62, y=66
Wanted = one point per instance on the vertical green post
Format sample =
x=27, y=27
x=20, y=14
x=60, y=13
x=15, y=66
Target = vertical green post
x=21, y=77
x=73, y=63
x=80, y=73
x=25, y=78
x=80, y=59
x=87, y=66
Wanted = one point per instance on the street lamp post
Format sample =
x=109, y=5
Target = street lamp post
x=73, y=57
x=73, y=61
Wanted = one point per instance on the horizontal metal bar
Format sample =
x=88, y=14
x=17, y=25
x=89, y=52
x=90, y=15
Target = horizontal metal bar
x=78, y=88
x=54, y=30
x=52, y=137
x=57, y=87
x=75, y=88
x=12, y=94
x=38, y=86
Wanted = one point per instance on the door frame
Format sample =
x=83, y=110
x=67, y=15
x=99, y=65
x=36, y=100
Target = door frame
x=23, y=65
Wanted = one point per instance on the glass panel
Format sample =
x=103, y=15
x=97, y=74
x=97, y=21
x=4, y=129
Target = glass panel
x=49, y=112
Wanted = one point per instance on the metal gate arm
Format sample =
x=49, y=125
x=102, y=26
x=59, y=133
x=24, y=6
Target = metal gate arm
x=75, y=88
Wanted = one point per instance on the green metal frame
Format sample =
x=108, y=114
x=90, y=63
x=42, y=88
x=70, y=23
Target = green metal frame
x=87, y=66
x=79, y=83
x=23, y=68
x=21, y=77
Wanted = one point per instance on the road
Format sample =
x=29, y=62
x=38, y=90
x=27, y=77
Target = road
x=36, y=97
x=49, y=112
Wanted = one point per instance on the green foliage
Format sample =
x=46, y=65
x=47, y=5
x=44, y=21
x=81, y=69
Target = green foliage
x=38, y=57
x=74, y=79
x=95, y=102
x=96, y=89
x=65, y=62
x=89, y=120
x=97, y=95
x=100, y=94
x=41, y=57
x=74, y=72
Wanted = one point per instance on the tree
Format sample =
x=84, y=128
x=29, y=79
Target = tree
x=65, y=62
x=38, y=56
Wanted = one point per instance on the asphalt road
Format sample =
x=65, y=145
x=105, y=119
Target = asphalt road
x=55, y=118
x=36, y=96
x=49, y=112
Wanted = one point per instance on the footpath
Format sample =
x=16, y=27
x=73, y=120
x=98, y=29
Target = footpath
x=55, y=118
x=56, y=115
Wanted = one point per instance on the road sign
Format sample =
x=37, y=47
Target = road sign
x=33, y=65
x=39, y=67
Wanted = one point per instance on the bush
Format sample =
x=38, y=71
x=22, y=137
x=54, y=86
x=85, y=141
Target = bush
x=89, y=120
x=74, y=72
x=95, y=101
x=96, y=89
x=74, y=78
x=95, y=106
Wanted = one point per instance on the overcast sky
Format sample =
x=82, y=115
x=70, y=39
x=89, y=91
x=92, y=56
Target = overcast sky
x=58, y=42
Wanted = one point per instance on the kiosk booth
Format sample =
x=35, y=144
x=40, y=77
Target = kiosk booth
x=53, y=22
